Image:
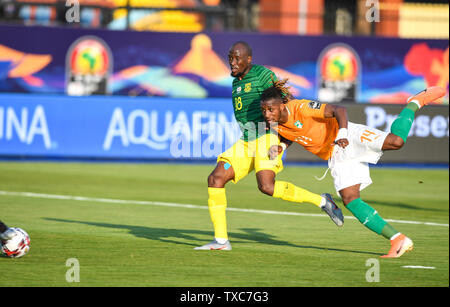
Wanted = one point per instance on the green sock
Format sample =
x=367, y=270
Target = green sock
x=370, y=218
x=402, y=125
x=388, y=231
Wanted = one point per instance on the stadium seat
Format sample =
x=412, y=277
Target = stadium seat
x=419, y=20
x=155, y=20
x=211, y=2
x=90, y=17
x=25, y=13
x=45, y=15
x=42, y=13
x=38, y=2
x=37, y=14
x=100, y=3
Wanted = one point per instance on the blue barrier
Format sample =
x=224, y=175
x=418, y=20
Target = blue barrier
x=115, y=127
x=168, y=129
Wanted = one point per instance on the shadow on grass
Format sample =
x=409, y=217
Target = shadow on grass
x=169, y=235
x=375, y=203
x=403, y=206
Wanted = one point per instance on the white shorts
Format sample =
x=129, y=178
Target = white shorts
x=350, y=166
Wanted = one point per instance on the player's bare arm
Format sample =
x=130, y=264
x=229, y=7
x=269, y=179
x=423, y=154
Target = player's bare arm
x=340, y=113
x=276, y=150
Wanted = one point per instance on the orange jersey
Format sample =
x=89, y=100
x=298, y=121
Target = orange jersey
x=308, y=127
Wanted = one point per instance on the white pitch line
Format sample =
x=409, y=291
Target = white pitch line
x=418, y=267
x=167, y=204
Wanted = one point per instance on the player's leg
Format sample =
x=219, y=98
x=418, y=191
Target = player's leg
x=285, y=190
x=351, y=173
x=233, y=165
x=393, y=142
x=400, y=129
x=3, y=227
x=217, y=200
x=402, y=125
x=266, y=170
x=221, y=175
x=365, y=213
x=5, y=232
x=292, y=193
x=370, y=218
x=217, y=204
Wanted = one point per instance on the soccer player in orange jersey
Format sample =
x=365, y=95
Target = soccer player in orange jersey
x=250, y=152
x=324, y=130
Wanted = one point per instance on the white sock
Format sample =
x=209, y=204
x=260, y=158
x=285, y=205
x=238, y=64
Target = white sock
x=417, y=103
x=395, y=236
x=323, y=202
x=221, y=240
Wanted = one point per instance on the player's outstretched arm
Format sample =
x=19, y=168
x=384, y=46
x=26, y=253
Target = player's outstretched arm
x=340, y=113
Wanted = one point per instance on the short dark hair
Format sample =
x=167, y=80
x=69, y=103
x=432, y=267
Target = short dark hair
x=246, y=46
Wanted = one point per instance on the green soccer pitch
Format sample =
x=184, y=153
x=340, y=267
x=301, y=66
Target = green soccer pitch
x=137, y=225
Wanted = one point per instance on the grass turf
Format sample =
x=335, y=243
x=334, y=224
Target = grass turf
x=127, y=244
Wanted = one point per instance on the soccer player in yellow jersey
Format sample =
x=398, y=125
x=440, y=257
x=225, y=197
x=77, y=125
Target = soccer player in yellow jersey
x=251, y=151
x=324, y=130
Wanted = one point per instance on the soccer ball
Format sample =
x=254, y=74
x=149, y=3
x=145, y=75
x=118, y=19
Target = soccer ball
x=18, y=246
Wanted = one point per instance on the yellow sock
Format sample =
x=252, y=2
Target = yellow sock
x=217, y=204
x=288, y=191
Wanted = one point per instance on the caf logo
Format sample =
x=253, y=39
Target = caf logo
x=339, y=74
x=298, y=124
x=88, y=67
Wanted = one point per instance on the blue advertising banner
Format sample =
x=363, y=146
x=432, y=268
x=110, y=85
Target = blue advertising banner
x=115, y=127
x=194, y=65
x=134, y=128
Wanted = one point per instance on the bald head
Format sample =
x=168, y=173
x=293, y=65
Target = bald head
x=244, y=46
x=240, y=59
